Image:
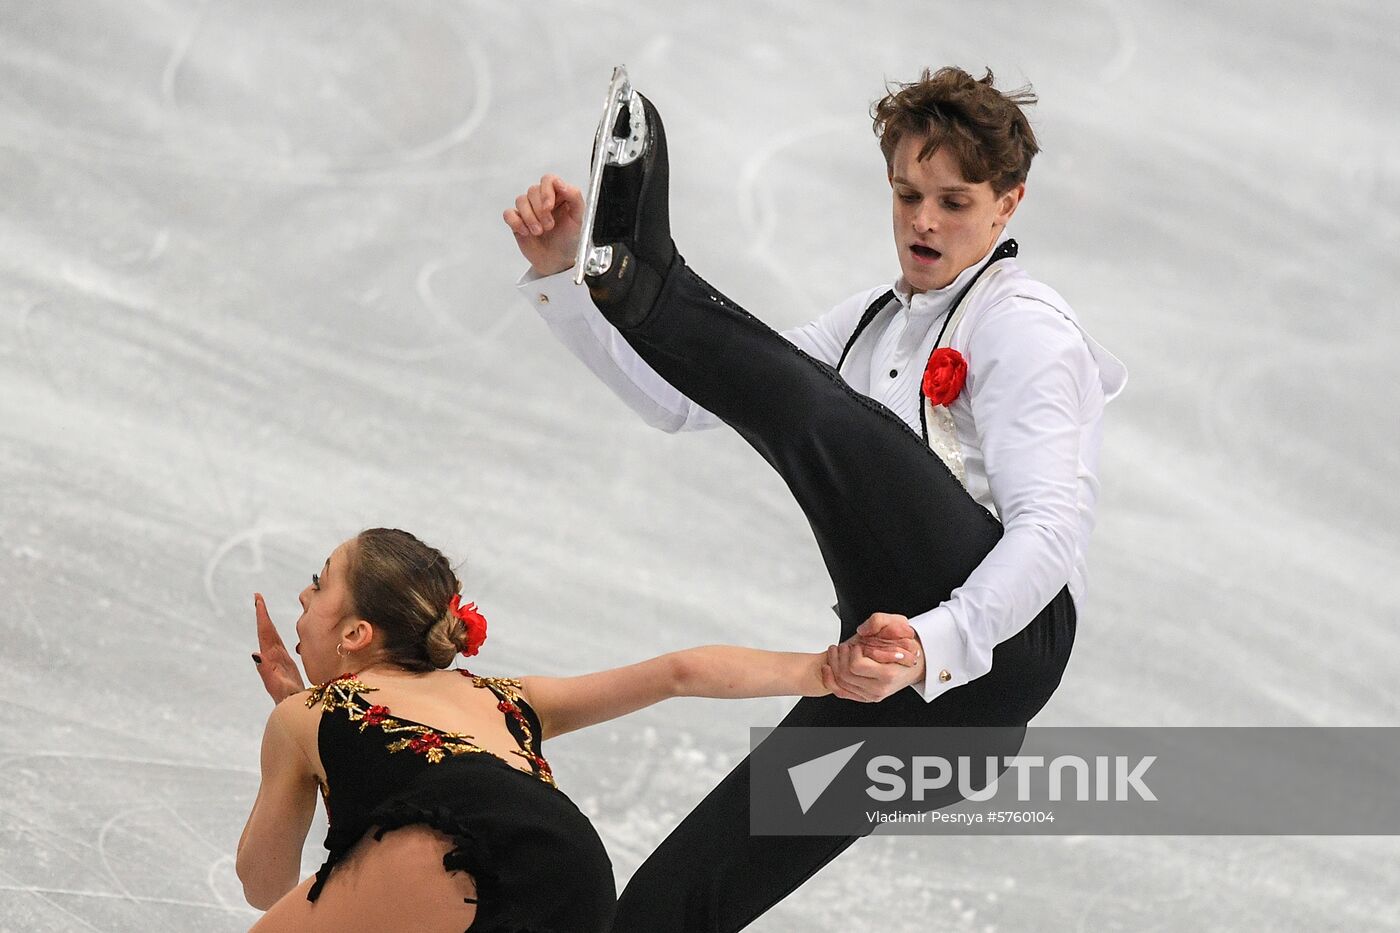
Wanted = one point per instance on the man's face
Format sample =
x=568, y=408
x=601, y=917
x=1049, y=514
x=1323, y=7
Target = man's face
x=942, y=222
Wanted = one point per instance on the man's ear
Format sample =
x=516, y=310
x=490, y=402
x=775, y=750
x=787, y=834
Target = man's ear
x=1007, y=204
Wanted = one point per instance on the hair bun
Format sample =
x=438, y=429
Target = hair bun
x=444, y=639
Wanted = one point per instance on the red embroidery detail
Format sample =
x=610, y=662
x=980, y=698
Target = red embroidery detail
x=376, y=715
x=425, y=743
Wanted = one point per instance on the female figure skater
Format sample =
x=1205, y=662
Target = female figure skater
x=444, y=815
x=941, y=436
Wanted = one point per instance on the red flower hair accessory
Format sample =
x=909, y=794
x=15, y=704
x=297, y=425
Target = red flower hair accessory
x=473, y=620
x=944, y=376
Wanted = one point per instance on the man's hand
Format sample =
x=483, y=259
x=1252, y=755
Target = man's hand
x=547, y=222
x=279, y=672
x=868, y=666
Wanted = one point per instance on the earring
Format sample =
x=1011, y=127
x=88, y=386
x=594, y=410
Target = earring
x=340, y=649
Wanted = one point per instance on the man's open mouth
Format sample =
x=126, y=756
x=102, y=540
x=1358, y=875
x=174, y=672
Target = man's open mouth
x=924, y=252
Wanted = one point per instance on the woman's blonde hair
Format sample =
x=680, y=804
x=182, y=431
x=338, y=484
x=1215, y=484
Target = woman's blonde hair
x=404, y=588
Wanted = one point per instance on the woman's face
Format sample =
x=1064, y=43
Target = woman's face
x=942, y=222
x=326, y=618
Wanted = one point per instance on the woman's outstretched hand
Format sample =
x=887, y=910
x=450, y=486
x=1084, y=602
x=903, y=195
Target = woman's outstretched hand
x=882, y=658
x=547, y=221
x=279, y=672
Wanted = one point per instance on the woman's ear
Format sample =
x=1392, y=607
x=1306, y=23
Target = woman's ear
x=357, y=635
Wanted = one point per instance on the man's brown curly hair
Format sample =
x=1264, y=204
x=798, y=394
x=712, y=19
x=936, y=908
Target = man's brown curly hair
x=984, y=128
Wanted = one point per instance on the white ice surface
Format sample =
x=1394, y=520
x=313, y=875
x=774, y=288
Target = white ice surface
x=255, y=294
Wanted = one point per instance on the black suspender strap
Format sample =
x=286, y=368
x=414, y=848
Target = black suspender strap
x=1006, y=250
x=865, y=320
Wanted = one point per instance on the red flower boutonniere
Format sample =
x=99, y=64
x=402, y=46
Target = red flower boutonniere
x=944, y=376
x=473, y=620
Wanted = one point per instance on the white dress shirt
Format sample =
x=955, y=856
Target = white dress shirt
x=1029, y=421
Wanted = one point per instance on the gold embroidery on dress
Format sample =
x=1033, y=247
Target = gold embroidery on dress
x=508, y=689
x=433, y=744
x=338, y=693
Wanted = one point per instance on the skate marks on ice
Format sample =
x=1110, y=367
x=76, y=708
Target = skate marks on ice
x=210, y=97
x=798, y=167
x=757, y=198
x=234, y=227
x=112, y=842
x=325, y=90
x=296, y=543
x=461, y=322
x=638, y=781
x=1124, y=44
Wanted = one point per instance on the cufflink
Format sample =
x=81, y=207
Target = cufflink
x=944, y=676
x=544, y=299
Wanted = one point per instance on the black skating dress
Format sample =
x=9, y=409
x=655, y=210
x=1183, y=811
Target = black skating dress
x=538, y=863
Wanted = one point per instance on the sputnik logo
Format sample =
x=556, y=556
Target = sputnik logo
x=811, y=778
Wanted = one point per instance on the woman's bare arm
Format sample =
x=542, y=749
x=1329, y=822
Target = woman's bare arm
x=269, y=852
x=724, y=671
x=728, y=672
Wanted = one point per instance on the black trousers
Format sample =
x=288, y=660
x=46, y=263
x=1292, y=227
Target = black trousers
x=898, y=533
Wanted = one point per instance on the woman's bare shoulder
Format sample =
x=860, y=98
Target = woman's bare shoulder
x=299, y=714
x=296, y=722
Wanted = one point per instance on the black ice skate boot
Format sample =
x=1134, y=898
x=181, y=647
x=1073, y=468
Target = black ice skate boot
x=626, y=251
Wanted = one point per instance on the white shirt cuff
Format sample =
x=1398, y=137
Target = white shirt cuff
x=550, y=292
x=945, y=654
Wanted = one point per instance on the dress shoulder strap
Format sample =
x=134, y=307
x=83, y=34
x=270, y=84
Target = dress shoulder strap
x=508, y=690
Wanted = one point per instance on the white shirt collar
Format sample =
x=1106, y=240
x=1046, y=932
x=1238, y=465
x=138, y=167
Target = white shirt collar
x=936, y=301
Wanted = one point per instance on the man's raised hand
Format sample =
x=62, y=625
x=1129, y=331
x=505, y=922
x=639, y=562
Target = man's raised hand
x=547, y=221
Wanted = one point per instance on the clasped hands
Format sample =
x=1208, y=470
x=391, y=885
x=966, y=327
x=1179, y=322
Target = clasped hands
x=882, y=658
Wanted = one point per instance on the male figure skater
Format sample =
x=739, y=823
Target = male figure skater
x=941, y=435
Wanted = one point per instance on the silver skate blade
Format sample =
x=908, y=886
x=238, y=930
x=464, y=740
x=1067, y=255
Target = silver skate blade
x=608, y=150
